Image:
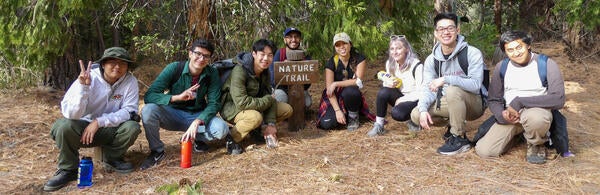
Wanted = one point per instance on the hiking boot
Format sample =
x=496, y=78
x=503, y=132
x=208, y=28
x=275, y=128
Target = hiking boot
x=536, y=154
x=353, y=123
x=118, y=166
x=412, y=127
x=454, y=145
x=200, y=146
x=448, y=134
x=153, y=159
x=60, y=179
x=233, y=148
x=377, y=130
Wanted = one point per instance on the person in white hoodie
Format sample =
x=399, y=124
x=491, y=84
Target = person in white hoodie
x=450, y=94
x=99, y=109
x=402, y=94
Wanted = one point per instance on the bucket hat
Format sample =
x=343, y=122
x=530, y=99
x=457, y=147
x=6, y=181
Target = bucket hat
x=117, y=53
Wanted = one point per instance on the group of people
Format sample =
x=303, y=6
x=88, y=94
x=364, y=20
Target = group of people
x=100, y=108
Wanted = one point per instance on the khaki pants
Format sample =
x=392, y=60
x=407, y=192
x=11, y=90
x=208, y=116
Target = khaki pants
x=248, y=120
x=456, y=106
x=534, y=124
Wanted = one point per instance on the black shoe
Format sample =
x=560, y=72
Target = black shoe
x=454, y=145
x=257, y=136
x=447, y=135
x=200, y=146
x=118, y=166
x=233, y=148
x=153, y=159
x=60, y=179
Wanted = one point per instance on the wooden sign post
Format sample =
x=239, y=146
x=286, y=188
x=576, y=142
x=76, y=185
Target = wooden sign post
x=295, y=74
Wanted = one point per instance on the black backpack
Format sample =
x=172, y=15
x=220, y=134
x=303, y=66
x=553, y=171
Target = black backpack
x=223, y=66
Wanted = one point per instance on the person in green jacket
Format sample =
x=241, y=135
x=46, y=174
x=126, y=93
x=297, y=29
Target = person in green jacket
x=247, y=96
x=190, y=105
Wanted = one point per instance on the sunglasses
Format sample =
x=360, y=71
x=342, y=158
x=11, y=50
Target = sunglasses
x=394, y=37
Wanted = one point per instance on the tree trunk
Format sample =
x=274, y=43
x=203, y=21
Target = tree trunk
x=442, y=6
x=498, y=15
x=201, y=14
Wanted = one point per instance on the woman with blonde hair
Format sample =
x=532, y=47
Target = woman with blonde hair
x=401, y=93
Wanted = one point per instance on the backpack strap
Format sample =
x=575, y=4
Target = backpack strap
x=543, y=69
x=175, y=75
x=336, y=58
x=463, y=61
x=282, y=55
x=415, y=69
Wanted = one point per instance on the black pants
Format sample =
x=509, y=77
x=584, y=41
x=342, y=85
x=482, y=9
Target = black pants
x=352, y=102
x=388, y=96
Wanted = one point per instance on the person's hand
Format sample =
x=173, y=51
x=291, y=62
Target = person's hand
x=190, y=134
x=331, y=89
x=425, y=120
x=511, y=115
x=436, y=84
x=84, y=75
x=340, y=116
x=188, y=94
x=87, y=137
x=270, y=130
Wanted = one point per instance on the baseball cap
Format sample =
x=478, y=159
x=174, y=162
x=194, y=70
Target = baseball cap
x=291, y=29
x=341, y=37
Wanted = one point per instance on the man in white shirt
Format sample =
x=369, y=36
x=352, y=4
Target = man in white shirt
x=99, y=109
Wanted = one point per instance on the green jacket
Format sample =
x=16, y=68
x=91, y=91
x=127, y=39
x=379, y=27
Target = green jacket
x=207, y=98
x=244, y=91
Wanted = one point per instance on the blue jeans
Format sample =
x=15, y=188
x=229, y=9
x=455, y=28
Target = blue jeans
x=156, y=116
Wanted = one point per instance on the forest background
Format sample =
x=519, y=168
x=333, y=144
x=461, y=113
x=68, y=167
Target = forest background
x=41, y=42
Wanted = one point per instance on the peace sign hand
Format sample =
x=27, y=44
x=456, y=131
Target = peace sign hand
x=186, y=95
x=84, y=75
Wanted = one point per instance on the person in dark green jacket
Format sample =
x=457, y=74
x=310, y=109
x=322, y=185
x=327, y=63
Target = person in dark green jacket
x=190, y=105
x=247, y=96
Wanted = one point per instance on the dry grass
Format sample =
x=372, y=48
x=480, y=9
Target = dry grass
x=313, y=161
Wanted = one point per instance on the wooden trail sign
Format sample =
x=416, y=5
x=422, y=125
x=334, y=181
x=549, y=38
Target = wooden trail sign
x=296, y=74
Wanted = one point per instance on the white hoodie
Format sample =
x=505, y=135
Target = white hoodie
x=110, y=105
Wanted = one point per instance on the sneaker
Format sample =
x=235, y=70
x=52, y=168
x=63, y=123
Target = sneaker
x=118, y=166
x=454, y=145
x=153, y=159
x=200, y=146
x=377, y=130
x=353, y=123
x=233, y=148
x=60, y=179
x=448, y=134
x=412, y=127
x=536, y=154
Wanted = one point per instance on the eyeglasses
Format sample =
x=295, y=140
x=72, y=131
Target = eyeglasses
x=394, y=37
x=450, y=28
x=200, y=54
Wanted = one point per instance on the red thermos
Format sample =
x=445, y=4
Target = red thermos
x=186, y=154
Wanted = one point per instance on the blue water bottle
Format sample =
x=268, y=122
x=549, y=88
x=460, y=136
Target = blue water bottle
x=86, y=168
